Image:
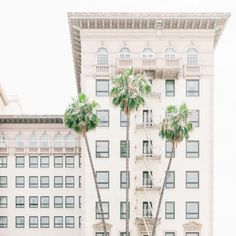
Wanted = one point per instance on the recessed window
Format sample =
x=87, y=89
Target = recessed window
x=44, y=162
x=147, y=147
x=33, y=222
x=102, y=56
x=20, y=222
x=3, y=201
x=170, y=88
x=147, y=179
x=33, y=162
x=192, y=88
x=123, y=179
x=44, y=201
x=58, y=181
x=168, y=149
x=147, y=209
x=123, y=119
x=69, y=222
x=69, y=182
x=102, y=87
x=20, y=181
x=20, y=141
x=192, y=210
x=70, y=141
x=58, y=162
x=102, y=149
x=194, y=117
x=192, y=56
x=169, y=233
x=3, y=162
x=170, y=53
x=3, y=221
x=147, y=117
x=33, y=181
x=170, y=210
x=44, y=141
x=147, y=53
x=20, y=161
x=33, y=202
x=192, y=234
x=20, y=201
x=125, y=53
x=33, y=141
x=192, y=179
x=44, y=182
x=123, y=210
x=192, y=149
x=69, y=202
x=58, y=202
x=102, y=179
x=170, y=180
x=105, y=208
x=103, y=116
x=58, y=221
x=44, y=221
x=123, y=149
x=58, y=141
x=69, y=161
x=3, y=181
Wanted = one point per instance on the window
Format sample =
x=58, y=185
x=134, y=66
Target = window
x=58, y=202
x=58, y=182
x=125, y=53
x=69, y=162
x=102, y=149
x=168, y=148
x=147, y=179
x=33, y=162
x=33, y=202
x=105, y=207
x=69, y=222
x=3, y=181
x=147, y=209
x=194, y=117
x=123, y=149
x=192, y=149
x=123, y=119
x=69, y=182
x=3, y=221
x=33, y=141
x=102, y=179
x=58, y=221
x=58, y=141
x=124, y=234
x=20, y=181
x=3, y=162
x=169, y=233
x=103, y=116
x=20, y=141
x=70, y=141
x=170, y=88
x=44, y=221
x=101, y=234
x=44, y=162
x=170, y=180
x=192, y=179
x=123, y=210
x=192, y=88
x=102, y=87
x=33, y=181
x=69, y=202
x=102, y=56
x=147, y=147
x=3, y=202
x=3, y=141
x=58, y=162
x=192, y=210
x=44, y=181
x=80, y=184
x=123, y=179
x=20, y=222
x=170, y=53
x=80, y=202
x=20, y=202
x=44, y=201
x=33, y=222
x=192, y=56
x=170, y=210
x=147, y=53
x=20, y=161
x=147, y=117
x=44, y=141
x=192, y=234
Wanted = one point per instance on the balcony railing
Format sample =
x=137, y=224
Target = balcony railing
x=102, y=70
x=150, y=122
x=192, y=70
x=150, y=154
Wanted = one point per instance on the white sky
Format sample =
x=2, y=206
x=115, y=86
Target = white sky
x=36, y=64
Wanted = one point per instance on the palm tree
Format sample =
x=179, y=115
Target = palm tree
x=175, y=128
x=81, y=117
x=128, y=93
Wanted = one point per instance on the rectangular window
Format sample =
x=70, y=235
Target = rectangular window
x=169, y=233
x=20, y=222
x=170, y=88
x=192, y=179
x=170, y=180
x=102, y=87
x=44, y=181
x=168, y=149
x=3, y=181
x=123, y=149
x=44, y=221
x=20, y=181
x=102, y=149
x=33, y=162
x=105, y=207
x=192, y=210
x=3, y=162
x=123, y=119
x=44, y=162
x=33, y=181
x=44, y=201
x=123, y=179
x=69, y=182
x=124, y=234
x=69, y=161
x=147, y=179
x=169, y=210
x=192, y=149
x=20, y=202
x=3, y=201
x=147, y=147
x=20, y=161
x=192, y=88
x=147, y=117
x=58, y=202
x=69, y=222
x=33, y=202
x=147, y=209
x=69, y=202
x=58, y=181
x=58, y=221
x=103, y=116
x=192, y=234
x=58, y=162
x=194, y=117
x=101, y=234
x=102, y=179
x=3, y=221
x=123, y=210
x=33, y=222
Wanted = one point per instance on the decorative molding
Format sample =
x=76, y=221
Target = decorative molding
x=99, y=226
x=192, y=226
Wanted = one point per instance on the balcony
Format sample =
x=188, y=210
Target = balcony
x=102, y=70
x=151, y=154
x=192, y=70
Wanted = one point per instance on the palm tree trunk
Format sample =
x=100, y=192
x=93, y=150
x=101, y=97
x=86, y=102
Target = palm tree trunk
x=96, y=184
x=163, y=190
x=127, y=176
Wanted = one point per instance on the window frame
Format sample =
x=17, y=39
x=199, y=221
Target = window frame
x=58, y=225
x=123, y=184
x=106, y=152
x=3, y=184
x=69, y=164
x=5, y=224
x=106, y=215
x=57, y=164
x=124, y=154
x=195, y=123
x=168, y=152
x=32, y=204
x=102, y=93
x=123, y=214
x=196, y=184
x=187, y=213
x=58, y=185
x=19, y=205
x=20, y=165
x=170, y=183
x=19, y=225
x=59, y=204
x=44, y=225
x=106, y=185
x=170, y=93
x=33, y=185
x=3, y=161
x=197, y=154
x=69, y=184
x=33, y=164
x=33, y=225
x=68, y=224
x=103, y=123
x=69, y=204
x=123, y=119
x=42, y=204
x=44, y=184
x=21, y=185
x=193, y=93
x=44, y=164
x=170, y=215
x=5, y=202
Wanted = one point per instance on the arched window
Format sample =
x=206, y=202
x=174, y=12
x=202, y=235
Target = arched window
x=33, y=141
x=3, y=141
x=147, y=53
x=20, y=141
x=192, y=56
x=44, y=141
x=125, y=53
x=58, y=141
x=102, y=56
x=170, y=53
x=70, y=141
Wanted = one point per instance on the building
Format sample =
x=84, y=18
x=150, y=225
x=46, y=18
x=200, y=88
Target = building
x=176, y=51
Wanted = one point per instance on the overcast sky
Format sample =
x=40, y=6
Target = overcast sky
x=36, y=64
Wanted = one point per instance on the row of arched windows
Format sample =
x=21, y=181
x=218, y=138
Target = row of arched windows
x=147, y=53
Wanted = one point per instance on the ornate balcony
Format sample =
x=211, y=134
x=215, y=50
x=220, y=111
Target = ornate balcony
x=192, y=70
x=102, y=70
